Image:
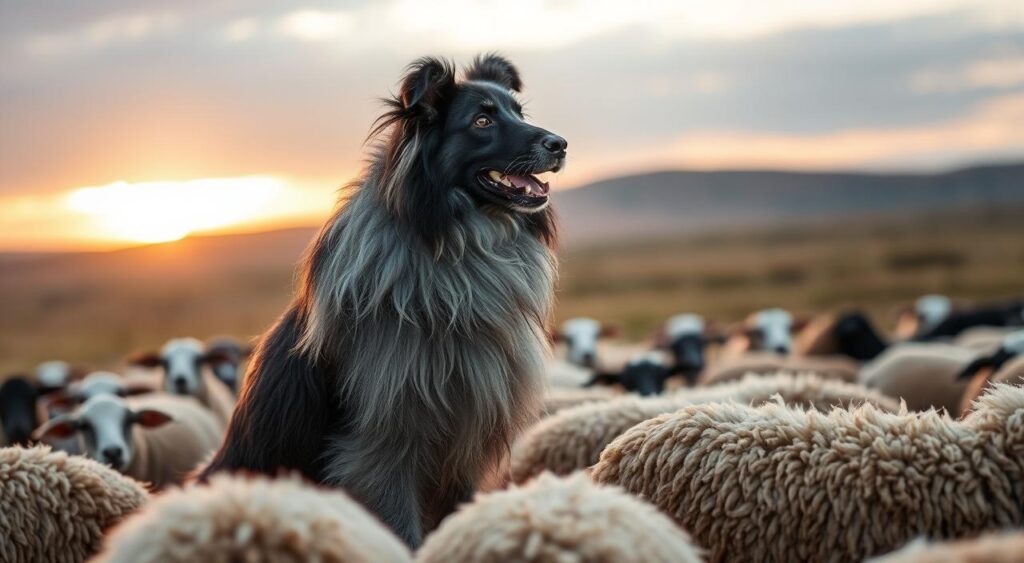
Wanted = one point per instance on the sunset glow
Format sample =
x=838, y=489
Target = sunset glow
x=165, y=211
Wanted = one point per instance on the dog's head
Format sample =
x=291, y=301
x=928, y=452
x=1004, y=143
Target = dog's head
x=450, y=137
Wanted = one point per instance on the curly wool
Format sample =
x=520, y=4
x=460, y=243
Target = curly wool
x=573, y=438
x=728, y=370
x=560, y=398
x=554, y=519
x=1007, y=547
x=252, y=519
x=55, y=507
x=1012, y=372
x=774, y=483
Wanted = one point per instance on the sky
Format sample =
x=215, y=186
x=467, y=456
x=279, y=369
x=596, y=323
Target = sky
x=144, y=121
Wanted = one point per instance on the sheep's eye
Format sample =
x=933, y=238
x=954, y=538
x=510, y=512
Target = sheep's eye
x=482, y=121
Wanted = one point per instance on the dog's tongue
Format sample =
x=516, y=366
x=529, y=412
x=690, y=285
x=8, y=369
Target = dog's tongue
x=538, y=188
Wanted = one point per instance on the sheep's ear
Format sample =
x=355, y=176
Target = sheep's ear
x=609, y=330
x=555, y=336
x=151, y=418
x=971, y=369
x=78, y=372
x=132, y=389
x=428, y=82
x=800, y=323
x=63, y=426
x=495, y=68
x=145, y=359
x=714, y=334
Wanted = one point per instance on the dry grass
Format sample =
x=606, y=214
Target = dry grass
x=95, y=309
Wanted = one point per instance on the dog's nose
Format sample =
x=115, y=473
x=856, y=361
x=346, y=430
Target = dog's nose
x=112, y=455
x=554, y=143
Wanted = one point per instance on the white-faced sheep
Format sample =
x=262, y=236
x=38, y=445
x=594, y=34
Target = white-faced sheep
x=764, y=363
x=1004, y=365
x=573, y=438
x=936, y=316
x=235, y=518
x=926, y=314
x=925, y=375
x=769, y=330
x=56, y=507
x=226, y=356
x=155, y=438
x=580, y=336
x=558, y=519
x=1004, y=547
x=686, y=337
x=182, y=362
x=775, y=483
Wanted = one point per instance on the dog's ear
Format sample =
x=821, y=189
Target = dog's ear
x=495, y=68
x=427, y=83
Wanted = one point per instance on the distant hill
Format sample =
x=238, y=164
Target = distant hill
x=659, y=203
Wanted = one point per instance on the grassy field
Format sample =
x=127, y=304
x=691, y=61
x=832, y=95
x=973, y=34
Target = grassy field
x=94, y=309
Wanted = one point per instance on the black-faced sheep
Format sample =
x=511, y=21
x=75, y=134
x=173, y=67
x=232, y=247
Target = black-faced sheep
x=775, y=483
x=252, y=519
x=687, y=336
x=56, y=507
x=556, y=519
x=1004, y=547
x=573, y=438
x=849, y=334
x=155, y=438
x=936, y=316
x=645, y=374
x=181, y=362
x=925, y=375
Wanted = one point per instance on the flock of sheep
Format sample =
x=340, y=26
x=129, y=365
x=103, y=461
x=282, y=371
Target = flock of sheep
x=776, y=439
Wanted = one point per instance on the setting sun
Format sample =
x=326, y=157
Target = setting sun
x=164, y=211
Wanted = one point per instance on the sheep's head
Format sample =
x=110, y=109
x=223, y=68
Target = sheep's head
x=181, y=361
x=104, y=424
x=1011, y=347
x=580, y=336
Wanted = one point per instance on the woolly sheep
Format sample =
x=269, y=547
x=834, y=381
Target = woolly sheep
x=226, y=356
x=646, y=374
x=580, y=336
x=156, y=438
x=573, y=438
x=55, y=507
x=762, y=363
x=983, y=339
x=769, y=330
x=236, y=518
x=1005, y=547
x=182, y=362
x=558, y=399
x=849, y=334
x=556, y=519
x=777, y=483
x=925, y=375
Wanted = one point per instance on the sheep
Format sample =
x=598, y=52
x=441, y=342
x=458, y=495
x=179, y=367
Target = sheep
x=236, y=518
x=181, y=361
x=55, y=375
x=558, y=519
x=848, y=334
x=776, y=483
x=557, y=398
x=687, y=336
x=936, y=316
x=580, y=336
x=18, y=414
x=983, y=339
x=926, y=314
x=55, y=507
x=768, y=330
x=1001, y=547
x=226, y=357
x=645, y=374
x=1004, y=365
x=925, y=375
x=155, y=438
x=573, y=438
x=731, y=369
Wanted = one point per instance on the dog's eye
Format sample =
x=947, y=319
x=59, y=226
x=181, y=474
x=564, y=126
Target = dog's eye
x=482, y=121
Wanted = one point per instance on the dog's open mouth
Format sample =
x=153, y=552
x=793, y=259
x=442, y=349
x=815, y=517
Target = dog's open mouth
x=524, y=190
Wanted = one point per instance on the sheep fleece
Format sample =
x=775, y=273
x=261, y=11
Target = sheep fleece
x=555, y=519
x=257, y=519
x=990, y=548
x=773, y=483
x=55, y=507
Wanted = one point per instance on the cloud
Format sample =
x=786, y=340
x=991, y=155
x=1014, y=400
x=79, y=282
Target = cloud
x=316, y=25
x=101, y=33
x=1006, y=71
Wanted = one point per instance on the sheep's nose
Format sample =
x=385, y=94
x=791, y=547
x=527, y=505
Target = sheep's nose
x=112, y=455
x=589, y=359
x=782, y=350
x=554, y=143
x=180, y=385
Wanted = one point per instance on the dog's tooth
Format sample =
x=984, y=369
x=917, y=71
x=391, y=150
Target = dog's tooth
x=529, y=190
x=496, y=176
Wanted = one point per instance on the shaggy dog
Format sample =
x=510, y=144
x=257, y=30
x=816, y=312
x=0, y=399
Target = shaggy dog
x=413, y=352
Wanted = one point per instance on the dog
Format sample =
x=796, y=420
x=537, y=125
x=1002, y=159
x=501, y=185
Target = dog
x=413, y=352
